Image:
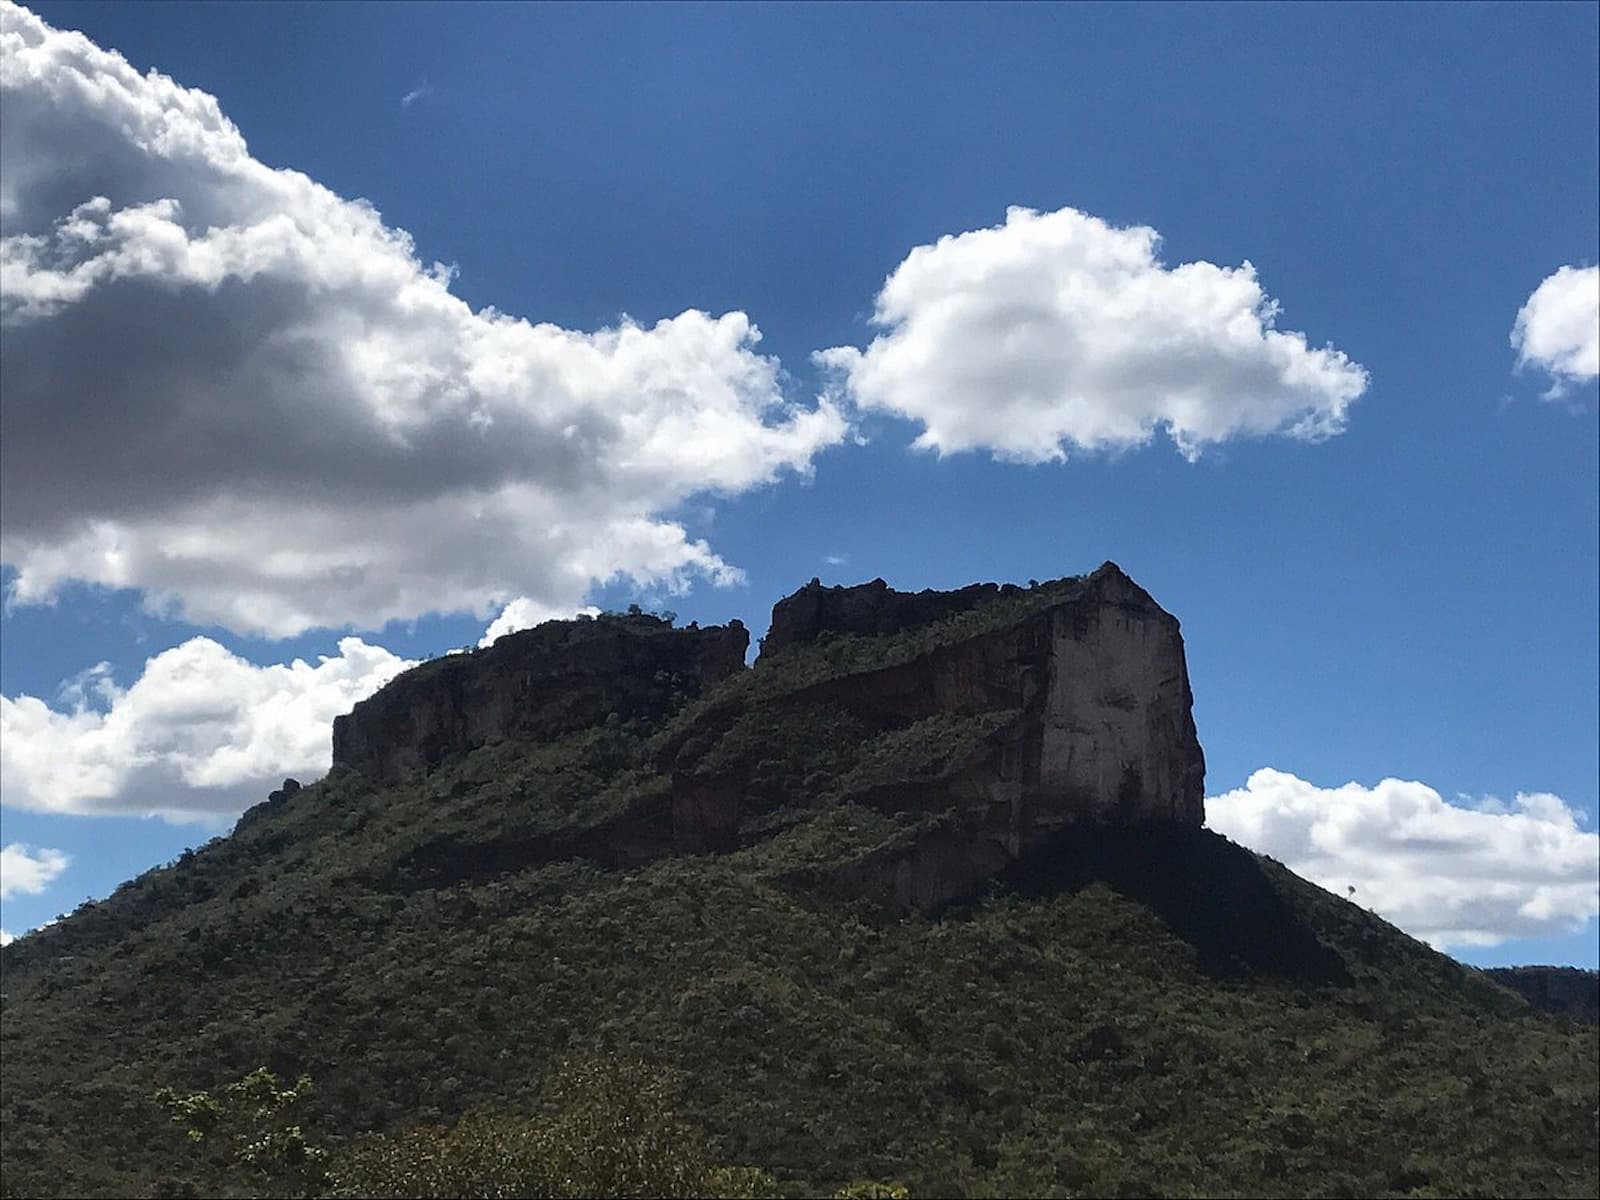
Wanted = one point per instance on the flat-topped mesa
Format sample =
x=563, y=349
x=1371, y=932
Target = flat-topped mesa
x=1088, y=679
x=987, y=721
x=1074, y=695
x=534, y=685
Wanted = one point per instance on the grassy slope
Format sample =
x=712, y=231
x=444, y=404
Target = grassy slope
x=1131, y=1014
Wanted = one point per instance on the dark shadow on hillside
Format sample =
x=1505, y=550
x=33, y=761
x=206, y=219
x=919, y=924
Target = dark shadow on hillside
x=1569, y=992
x=1214, y=895
x=630, y=839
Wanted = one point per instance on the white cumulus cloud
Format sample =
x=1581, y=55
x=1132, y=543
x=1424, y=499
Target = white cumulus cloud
x=6, y=938
x=25, y=871
x=246, y=396
x=1450, y=875
x=1057, y=331
x=201, y=732
x=524, y=613
x=1558, y=329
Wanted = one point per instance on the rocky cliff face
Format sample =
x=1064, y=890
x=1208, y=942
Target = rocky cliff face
x=1082, y=690
x=535, y=685
x=1097, y=679
x=983, y=722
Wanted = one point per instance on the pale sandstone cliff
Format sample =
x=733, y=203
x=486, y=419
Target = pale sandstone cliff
x=1104, y=728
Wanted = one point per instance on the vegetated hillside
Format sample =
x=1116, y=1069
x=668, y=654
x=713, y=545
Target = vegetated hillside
x=785, y=884
x=1562, y=991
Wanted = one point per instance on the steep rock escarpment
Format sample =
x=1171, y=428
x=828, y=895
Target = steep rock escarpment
x=1080, y=688
x=982, y=723
x=534, y=685
x=1104, y=730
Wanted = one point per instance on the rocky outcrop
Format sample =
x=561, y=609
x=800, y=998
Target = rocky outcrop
x=1083, y=686
x=534, y=685
x=1103, y=736
x=985, y=722
x=1097, y=676
x=290, y=787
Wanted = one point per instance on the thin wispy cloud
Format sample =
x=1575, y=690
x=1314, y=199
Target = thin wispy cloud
x=422, y=90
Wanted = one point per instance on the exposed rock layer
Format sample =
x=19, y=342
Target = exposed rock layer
x=1104, y=730
x=532, y=686
x=1088, y=692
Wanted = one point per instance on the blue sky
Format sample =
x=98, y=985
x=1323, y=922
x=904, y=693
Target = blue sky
x=1381, y=538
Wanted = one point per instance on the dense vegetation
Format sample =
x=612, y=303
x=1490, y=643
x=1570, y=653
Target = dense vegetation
x=606, y=1128
x=1131, y=1013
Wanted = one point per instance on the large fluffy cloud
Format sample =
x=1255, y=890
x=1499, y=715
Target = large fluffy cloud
x=245, y=395
x=1058, y=331
x=24, y=871
x=1558, y=329
x=1445, y=873
x=524, y=613
x=201, y=732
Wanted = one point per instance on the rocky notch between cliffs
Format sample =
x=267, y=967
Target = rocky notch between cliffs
x=985, y=721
